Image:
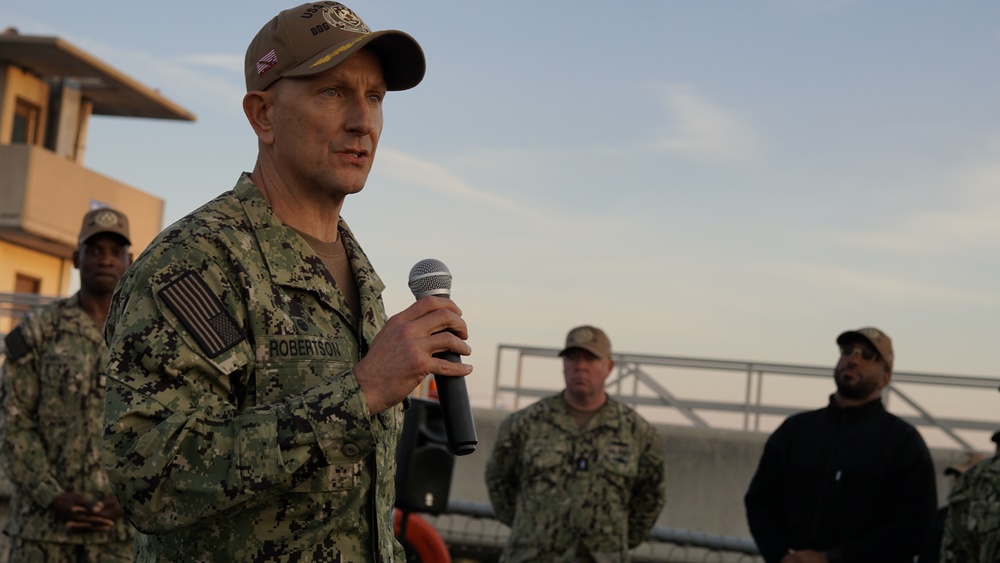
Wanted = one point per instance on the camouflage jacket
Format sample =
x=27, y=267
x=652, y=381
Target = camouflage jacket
x=560, y=487
x=235, y=429
x=972, y=527
x=50, y=433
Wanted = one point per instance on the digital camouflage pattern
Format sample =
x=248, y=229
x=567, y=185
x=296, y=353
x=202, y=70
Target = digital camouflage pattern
x=50, y=431
x=26, y=551
x=560, y=487
x=235, y=429
x=972, y=528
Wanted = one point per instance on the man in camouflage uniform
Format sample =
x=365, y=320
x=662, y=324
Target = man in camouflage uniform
x=577, y=476
x=256, y=389
x=972, y=529
x=63, y=508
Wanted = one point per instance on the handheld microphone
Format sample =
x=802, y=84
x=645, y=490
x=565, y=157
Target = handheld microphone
x=431, y=277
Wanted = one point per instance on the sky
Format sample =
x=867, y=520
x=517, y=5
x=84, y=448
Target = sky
x=738, y=180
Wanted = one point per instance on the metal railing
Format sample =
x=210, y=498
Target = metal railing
x=654, y=383
x=15, y=305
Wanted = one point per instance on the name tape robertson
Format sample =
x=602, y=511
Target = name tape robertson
x=305, y=347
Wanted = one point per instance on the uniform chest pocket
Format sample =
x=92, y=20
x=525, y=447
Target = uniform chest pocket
x=619, y=462
x=544, y=460
x=289, y=365
x=344, y=476
x=277, y=380
x=68, y=377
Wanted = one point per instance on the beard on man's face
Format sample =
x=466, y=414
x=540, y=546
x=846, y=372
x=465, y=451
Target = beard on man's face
x=856, y=387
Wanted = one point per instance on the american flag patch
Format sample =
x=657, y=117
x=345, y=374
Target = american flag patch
x=16, y=345
x=190, y=298
x=266, y=62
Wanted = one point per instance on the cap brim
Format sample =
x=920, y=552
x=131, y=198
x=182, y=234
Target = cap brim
x=403, y=63
x=585, y=349
x=852, y=335
x=114, y=233
x=855, y=335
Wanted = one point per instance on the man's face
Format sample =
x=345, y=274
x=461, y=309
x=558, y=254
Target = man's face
x=102, y=260
x=327, y=127
x=585, y=373
x=859, y=378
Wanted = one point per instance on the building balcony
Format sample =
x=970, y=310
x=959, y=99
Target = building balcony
x=43, y=198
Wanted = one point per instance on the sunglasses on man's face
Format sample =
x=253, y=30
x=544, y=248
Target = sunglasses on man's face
x=867, y=354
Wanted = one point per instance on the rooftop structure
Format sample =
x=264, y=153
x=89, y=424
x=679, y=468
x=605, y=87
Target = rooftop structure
x=49, y=89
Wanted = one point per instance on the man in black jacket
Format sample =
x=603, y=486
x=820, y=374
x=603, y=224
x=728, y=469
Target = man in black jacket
x=849, y=482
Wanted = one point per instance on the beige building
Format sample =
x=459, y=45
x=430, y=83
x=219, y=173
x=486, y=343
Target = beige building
x=49, y=89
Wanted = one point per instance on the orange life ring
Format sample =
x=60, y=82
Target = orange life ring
x=421, y=538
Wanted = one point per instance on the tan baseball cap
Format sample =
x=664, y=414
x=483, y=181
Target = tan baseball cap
x=589, y=338
x=878, y=339
x=104, y=220
x=318, y=36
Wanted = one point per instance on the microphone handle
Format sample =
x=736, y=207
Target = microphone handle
x=455, y=409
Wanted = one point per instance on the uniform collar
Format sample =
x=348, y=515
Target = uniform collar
x=283, y=248
x=866, y=410
x=608, y=416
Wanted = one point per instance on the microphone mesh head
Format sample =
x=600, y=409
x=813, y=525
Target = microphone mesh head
x=430, y=277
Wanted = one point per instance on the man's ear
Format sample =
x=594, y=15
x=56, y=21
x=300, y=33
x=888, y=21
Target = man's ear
x=76, y=258
x=257, y=107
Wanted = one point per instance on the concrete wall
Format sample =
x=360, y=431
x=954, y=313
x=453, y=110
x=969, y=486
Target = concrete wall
x=708, y=472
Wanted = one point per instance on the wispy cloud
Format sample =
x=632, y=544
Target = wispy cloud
x=192, y=77
x=704, y=130
x=436, y=178
x=177, y=77
x=969, y=222
x=880, y=287
x=223, y=61
x=941, y=231
x=814, y=6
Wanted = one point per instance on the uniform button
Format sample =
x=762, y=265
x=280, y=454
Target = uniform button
x=350, y=450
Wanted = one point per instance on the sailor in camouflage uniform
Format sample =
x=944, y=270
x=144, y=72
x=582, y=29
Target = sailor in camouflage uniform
x=972, y=529
x=578, y=477
x=63, y=508
x=256, y=389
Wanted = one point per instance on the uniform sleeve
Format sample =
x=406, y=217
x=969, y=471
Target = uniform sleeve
x=179, y=445
x=972, y=527
x=502, y=478
x=649, y=493
x=22, y=449
x=763, y=502
x=956, y=546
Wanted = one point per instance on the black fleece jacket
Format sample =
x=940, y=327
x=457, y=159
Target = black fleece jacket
x=857, y=483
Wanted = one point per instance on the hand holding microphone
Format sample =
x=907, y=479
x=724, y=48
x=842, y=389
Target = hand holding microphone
x=401, y=354
x=431, y=277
